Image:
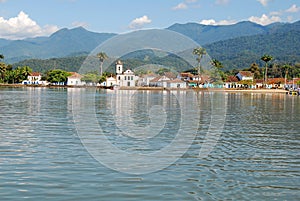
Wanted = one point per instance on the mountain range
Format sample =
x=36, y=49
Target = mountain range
x=236, y=46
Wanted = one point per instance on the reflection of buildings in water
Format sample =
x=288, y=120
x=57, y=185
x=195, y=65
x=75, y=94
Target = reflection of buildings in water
x=74, y=94
x=130, y=103
x=34, y=102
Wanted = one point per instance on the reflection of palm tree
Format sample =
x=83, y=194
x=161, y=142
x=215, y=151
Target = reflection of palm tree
x=199, y=51
x=266, y=58
x=101, y=56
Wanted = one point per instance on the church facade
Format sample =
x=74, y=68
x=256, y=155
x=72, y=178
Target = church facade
x=125, y=78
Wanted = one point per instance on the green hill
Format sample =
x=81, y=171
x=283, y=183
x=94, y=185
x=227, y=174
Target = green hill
x=241, y=52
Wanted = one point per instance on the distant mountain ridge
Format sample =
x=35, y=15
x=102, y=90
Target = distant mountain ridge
x=62, y=43
x=222, y=41
x=205, y=34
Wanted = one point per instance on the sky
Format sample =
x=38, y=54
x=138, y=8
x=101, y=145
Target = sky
x=21, y=19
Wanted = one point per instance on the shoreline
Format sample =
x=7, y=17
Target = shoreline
x=151, y=88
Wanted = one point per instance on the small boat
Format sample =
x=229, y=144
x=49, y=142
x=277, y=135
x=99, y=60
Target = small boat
x=294, y=93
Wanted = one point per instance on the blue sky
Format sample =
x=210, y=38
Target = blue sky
x=29, y=18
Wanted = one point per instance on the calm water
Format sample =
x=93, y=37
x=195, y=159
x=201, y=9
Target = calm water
x=255, y=156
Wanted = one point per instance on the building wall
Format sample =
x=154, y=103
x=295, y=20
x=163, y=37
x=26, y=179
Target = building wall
x=75, y=82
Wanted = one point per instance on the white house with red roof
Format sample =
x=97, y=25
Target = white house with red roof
x=34, y=78
x=245, y=75
x=75, y=79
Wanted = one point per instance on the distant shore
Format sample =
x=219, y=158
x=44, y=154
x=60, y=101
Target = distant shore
x=152, y=88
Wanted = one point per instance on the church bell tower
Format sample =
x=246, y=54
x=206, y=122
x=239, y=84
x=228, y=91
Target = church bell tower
x=119, y=67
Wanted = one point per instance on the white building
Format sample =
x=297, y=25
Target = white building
x=75, y=79
x=145, y=79
x=127, y=78
x=33, y=78
x=245, y=75
x=160, y=81
x=110, y=81
x=177, y=83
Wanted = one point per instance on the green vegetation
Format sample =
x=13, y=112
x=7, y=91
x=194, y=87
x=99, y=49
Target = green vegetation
x=266, y=58
x=57, y=76
x=10, y=75
x=199, y=52
x=71, y=64
x=238, y=53
x=101, y=56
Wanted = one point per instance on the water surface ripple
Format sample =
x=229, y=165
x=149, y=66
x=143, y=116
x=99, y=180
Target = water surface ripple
x=42, y=158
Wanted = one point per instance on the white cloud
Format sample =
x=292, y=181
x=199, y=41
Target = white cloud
x=22, y=26
x=184, y=5
x=191, y=1
x=290, y=18
x=293, y=9
x=220, y=2
x=276, y=13
x=180, y=6
x=264, y=2
x=221, y=22
x=2, y=1
x=264, y=19
x=139, y=22
x=80, y=24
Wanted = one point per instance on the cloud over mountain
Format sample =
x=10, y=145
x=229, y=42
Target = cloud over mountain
x=264, y=19
x=139, y=22
x=22, y=26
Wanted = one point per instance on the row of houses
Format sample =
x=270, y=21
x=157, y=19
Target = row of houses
x=35, y=78
x=127, y=78
x=245, y=79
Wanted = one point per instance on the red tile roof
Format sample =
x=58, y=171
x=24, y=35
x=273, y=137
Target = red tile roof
x=170, y=75
x=276, y=81
x=176, y=81
x=246, y=73
x=232, y=78
x=35, y=74
x=295, y=81
x=75, y=75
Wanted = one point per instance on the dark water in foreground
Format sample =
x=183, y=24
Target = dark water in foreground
x=256, y=156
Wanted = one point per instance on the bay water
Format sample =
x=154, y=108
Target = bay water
x=254, y=152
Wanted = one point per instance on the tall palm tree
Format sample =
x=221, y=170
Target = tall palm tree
x=217, y=64
x=3, y=68
x=101, y=56
x=266, y=58
x=199, y=51
x=286, y=67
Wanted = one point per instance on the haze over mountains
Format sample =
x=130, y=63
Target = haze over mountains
x=234, y=45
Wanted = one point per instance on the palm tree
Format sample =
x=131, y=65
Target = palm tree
x=217, y=64
x=286, y=67
x=266, y=58
x=199, y=51
x=101, y=56
x=3, y=68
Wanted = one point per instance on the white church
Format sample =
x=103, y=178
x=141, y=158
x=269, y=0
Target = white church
x=123, y=79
